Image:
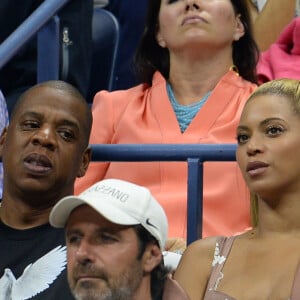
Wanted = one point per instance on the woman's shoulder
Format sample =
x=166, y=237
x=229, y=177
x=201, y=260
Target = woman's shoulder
x=203, y=247
x=200, y=252
x=135, y=96
x=123, y=95
x=116, y=102
x=195, y=266
x=235, y=80
x=133, y=92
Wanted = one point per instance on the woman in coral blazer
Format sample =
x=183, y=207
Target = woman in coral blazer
x=197, y=59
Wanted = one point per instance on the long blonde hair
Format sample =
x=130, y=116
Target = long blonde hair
x=254, y=209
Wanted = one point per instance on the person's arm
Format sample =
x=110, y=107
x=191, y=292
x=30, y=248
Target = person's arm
x=175, y=245
x=268, y=24
x=195, y=267
x=3, y=113
x=253, y=10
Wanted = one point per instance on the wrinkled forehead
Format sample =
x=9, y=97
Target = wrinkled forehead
x=84, y=216
x=49, y=101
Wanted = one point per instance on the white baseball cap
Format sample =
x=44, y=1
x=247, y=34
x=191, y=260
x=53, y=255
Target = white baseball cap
x=120, y=202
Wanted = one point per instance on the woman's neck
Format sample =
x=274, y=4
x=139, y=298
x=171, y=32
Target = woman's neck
x=191, y=80
x=280, y=217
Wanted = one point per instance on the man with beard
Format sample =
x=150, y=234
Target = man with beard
x=115, y=234
x=44, y=148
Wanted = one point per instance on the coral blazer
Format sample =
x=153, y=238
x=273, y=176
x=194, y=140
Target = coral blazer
x=144, y=114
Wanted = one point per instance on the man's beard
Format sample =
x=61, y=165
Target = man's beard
x=122, y=287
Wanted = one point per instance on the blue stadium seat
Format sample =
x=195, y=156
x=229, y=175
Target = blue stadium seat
x=105, y=29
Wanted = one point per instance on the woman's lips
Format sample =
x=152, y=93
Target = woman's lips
x=193, y=19
x=256, y=168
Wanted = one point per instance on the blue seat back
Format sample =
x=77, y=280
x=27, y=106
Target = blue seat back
x=105, y=30
x=39, y=20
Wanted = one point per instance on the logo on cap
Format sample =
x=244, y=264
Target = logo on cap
x=150, y=224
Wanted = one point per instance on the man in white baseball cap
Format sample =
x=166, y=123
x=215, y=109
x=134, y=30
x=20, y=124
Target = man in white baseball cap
x=115, y=234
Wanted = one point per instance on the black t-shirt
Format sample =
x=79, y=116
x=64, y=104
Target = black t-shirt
x=20, y=248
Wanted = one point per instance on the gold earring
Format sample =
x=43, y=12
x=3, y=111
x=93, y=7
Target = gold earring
x=235, y=69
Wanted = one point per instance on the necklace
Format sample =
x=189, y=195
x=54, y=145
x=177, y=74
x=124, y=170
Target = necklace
x=185, y=113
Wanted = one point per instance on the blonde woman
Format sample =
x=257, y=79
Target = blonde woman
x=262, y=263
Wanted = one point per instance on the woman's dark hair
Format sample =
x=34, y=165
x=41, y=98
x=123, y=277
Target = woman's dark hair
x=160, y=273
x=150, y=57
x=245, y=52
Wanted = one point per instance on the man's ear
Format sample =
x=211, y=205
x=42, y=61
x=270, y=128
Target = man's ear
x=86, y=158
x=2, y=141
x=151, y=257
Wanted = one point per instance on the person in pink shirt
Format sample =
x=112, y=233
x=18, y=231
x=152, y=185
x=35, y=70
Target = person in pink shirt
x=197, y=60
x=269, y=18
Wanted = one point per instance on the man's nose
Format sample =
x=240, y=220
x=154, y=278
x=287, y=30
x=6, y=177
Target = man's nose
x=45, y=137
x=84, y=253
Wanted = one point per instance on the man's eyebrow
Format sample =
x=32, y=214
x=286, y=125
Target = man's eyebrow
x=41, y=115
x=105, y=230
x=72, y=231
x=31, y=114
x=69, y=123
x=38, y=115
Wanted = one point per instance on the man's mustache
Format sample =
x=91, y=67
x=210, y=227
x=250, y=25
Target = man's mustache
x=89, y=270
